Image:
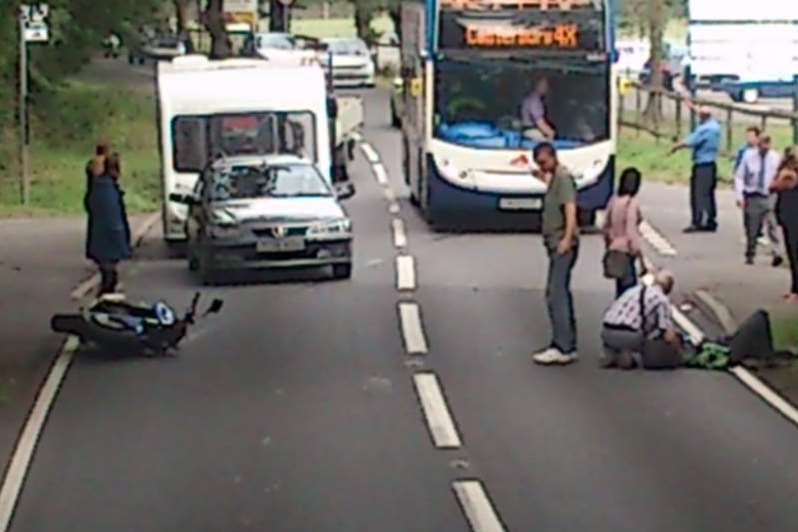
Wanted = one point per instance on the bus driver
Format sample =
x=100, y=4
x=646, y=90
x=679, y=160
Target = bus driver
x=533, y=112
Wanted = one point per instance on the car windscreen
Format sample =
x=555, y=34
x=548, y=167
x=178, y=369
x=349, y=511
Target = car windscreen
x=198, y=139
x=275, y=42
x=268, y=181
x=354, y=48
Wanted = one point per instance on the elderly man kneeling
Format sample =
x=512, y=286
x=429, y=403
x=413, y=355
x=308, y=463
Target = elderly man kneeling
x=641, y=314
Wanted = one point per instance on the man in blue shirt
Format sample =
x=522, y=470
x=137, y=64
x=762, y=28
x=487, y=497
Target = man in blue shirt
x=705, y=144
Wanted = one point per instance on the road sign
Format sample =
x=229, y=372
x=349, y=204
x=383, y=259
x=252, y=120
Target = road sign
x=241, y=11
x=35, y=12
x=34, y=25
x=36, y=32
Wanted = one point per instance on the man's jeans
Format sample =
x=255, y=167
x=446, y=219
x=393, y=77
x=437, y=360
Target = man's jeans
x=560, y=301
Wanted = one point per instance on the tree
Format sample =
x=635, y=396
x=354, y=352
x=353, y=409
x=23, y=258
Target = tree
x=213, y=20
x=278, y=16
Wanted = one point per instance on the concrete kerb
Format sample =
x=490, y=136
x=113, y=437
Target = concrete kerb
x=137, y=236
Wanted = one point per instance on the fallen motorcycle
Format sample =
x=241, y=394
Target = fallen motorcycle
x=114, y=323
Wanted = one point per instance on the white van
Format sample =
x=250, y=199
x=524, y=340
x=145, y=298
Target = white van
x=211, y=109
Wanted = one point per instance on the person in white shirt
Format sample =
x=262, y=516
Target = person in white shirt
x=752, y=180
x=641, y=313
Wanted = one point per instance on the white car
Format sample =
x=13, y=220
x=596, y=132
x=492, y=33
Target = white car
x=352, y=64
x=270, y=45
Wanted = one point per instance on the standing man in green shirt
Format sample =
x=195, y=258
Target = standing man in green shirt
x=561, y=238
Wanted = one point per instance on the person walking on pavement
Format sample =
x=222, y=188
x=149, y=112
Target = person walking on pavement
x=786, y=187
x=109, y=232
x=704, y=142
x=642, y=313
x=561, y=238
x=751, y=140
x=621, y=229
x=752, y=181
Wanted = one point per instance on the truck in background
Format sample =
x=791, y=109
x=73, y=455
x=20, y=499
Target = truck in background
x=211, y=109
x=747, y=49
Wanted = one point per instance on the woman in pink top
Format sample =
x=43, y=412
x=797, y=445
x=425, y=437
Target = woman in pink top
x=621, y=227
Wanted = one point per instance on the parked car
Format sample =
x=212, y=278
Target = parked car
x=352, y=63
x=160, y=48
x=266, y=212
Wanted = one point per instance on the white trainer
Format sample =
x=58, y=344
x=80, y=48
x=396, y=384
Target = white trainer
x=552, y=356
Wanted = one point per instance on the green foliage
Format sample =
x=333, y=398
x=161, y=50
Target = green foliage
x=71, y=119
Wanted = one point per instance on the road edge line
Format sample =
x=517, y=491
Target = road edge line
x=766, y=393
x=18, y=466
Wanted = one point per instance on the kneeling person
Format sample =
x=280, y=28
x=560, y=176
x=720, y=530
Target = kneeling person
x=642, y=313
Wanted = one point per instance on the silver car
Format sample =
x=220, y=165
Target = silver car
x=265, y=212
x=350, y=61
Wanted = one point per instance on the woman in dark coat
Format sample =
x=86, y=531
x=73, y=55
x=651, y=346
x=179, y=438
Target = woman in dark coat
x=786, y=187
x=108, y=239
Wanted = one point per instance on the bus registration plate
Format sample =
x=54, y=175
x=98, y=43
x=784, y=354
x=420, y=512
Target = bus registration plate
x=520, y=204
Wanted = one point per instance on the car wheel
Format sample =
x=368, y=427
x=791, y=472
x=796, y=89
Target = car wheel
x=342, y=271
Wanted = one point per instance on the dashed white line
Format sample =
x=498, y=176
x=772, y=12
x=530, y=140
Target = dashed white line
x=766, y=393
x=657, y=241
x=478, y=509
x=394, y=208
x=371, y=154
x=26, y=446
x=436, y=413
x=380, y=173
x=405, y=273
x=389, y=194
x=399, y=234
x=412, y=329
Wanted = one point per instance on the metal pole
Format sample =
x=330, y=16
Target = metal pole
x=24, y=156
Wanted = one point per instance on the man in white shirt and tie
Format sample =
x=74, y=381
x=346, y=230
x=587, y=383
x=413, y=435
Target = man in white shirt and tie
x=756, y=172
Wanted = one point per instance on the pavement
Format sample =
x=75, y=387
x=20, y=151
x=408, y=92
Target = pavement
x=299, y=408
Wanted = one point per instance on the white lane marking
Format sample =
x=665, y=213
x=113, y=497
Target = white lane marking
x=657, y=241
x=371, y=155
x=389, y=194
x=26, y=446
x=394, y=208
x=436, y=412
x=412, y=329
x=137, y=236
x=766, y=393
x=357, y=137
x=479, y=510
x=399, y=234
x=380, y=173
x=405, y=273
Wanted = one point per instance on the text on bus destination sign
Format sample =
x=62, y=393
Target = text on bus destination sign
x=482, y=5
x=559, y=35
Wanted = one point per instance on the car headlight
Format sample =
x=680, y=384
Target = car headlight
x=223, y=225
x=331, y=229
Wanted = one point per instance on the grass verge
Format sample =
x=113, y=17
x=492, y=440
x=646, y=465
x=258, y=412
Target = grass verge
x=67, y=123
x=785, y=330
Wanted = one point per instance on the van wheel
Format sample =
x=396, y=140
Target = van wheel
x=342, y=271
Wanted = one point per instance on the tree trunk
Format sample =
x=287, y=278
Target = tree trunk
x=181, y=12
x=364, y=12
x=213, y=19
x=278, y=16
x=656, y=29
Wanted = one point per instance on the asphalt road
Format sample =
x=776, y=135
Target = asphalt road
x=295, y=410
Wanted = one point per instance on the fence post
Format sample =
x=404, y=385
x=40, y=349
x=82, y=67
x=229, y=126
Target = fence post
x=678, y=117
x=764, y=123
x=729, y=129
x=638, y=107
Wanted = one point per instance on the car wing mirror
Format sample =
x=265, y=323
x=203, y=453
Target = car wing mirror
x=344, y=190
x=185, y=199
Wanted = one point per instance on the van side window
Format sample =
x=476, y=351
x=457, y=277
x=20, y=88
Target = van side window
x=190, y=143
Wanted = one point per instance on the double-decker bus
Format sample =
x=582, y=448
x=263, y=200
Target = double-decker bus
x=473, y=72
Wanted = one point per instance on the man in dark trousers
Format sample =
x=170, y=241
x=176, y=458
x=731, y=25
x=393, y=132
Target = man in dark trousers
x=561, y=238
x=705, y=143
x=756, y=172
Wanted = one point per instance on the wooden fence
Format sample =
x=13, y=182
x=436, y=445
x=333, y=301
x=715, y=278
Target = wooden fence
x=676, y=118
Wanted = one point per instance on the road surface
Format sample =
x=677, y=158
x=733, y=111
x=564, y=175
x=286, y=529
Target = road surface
x=298, y=409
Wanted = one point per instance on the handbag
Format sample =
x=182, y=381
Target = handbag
x=656, y=353
x=617, y=263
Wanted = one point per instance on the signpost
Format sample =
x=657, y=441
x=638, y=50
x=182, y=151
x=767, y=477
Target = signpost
x=241, y=12
x=32, y=28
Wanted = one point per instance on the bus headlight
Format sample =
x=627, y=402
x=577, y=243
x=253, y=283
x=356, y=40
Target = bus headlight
x=340, y=228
